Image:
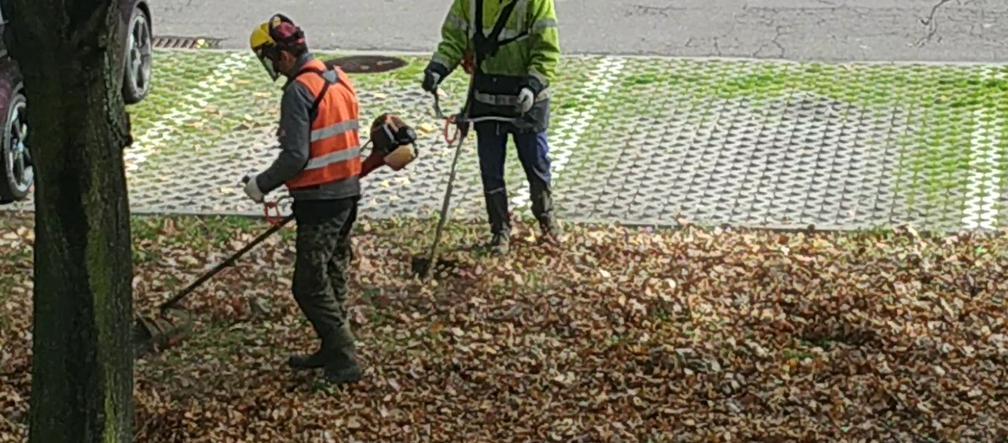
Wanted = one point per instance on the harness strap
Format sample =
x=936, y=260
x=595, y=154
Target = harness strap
x=487, y=45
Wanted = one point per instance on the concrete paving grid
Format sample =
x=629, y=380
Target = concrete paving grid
x=636, y=140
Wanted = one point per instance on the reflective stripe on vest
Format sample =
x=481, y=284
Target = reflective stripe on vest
x=334, y=141
x=335, y=157
x=334, y=130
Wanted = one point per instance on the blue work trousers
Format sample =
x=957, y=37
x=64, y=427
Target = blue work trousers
x=533, y=152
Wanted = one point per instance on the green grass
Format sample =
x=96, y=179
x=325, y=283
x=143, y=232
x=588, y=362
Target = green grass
x=1002, y=150
x=176, y=74
x=935, y=159
x=246, y=101
x=934, y=152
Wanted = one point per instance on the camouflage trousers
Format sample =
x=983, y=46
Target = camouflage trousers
x=324, y=252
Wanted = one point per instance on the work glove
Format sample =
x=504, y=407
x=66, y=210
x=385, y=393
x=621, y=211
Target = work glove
x=252, y=189
x=526, y=98
x=433, y=75
x=528, y=93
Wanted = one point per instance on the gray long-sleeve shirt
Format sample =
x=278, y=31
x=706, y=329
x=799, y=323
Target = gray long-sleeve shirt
x=295, y=141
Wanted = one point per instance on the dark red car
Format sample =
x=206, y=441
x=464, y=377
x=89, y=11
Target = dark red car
x=16, y=171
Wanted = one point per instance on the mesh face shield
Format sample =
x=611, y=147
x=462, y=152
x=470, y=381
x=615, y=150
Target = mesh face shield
x=264, y=57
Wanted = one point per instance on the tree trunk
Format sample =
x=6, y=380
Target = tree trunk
x=70, y=52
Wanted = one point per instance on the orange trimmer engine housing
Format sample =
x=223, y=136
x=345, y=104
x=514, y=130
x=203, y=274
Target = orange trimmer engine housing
x=393, y=144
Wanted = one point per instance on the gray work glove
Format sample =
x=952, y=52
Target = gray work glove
x=252, y=189
x=526, y=98
x=528, y=93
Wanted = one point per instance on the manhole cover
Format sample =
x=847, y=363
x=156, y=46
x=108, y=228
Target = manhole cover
x=175, y=42
x=366, y=64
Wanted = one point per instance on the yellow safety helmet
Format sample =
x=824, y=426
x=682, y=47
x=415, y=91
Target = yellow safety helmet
x=267, y=39
x=261, y=37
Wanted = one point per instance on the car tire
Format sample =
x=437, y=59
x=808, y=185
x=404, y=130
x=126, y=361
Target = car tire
x=138, y=59
x=17, y=173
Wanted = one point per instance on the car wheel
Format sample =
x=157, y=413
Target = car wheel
x=17, y=168
x=139, y=44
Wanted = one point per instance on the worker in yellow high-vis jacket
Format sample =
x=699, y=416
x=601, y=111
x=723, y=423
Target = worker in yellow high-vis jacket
x=512, y=48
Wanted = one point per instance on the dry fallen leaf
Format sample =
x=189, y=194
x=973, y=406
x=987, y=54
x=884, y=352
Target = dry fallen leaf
x=617, y=335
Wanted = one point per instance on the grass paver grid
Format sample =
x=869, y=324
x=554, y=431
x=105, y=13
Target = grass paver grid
x=634, y=139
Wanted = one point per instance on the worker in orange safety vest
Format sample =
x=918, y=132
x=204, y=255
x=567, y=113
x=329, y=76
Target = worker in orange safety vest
x=320, y=164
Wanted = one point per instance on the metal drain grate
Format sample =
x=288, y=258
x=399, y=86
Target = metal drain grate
x=175, y=42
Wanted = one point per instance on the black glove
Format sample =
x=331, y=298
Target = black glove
x=433, y=75
x=463, y=126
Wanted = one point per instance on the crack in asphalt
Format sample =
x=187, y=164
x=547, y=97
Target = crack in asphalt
x=637, y=9
x=931, y=23
x=775, y=41
x=931, y=30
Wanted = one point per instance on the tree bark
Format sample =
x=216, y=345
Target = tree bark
x=70, y=52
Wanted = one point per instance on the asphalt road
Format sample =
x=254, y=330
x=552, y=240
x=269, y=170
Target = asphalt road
x=827, y=30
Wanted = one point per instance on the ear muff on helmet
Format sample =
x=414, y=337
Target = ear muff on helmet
x=285, y=34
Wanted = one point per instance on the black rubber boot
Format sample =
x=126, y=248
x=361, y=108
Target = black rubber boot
x=312, y=361
x=341, y=367
x=500, y=244
x=500, y=222
x=542, y=209
x=551, y=231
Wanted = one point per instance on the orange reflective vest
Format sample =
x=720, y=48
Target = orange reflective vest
x=335, y=141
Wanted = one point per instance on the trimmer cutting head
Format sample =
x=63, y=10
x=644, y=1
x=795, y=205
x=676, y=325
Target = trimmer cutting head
x=155, y=333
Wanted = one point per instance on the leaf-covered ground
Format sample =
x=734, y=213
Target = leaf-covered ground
x=619, y=335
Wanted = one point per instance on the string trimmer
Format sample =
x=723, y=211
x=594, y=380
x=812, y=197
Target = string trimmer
x=422, y=265
x=172, y=324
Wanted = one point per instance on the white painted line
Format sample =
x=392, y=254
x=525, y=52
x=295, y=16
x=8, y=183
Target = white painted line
x=145, y=144
x=985, y=169
x=600, y=82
